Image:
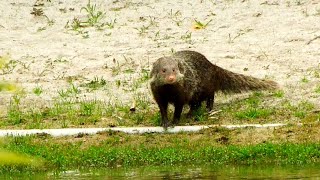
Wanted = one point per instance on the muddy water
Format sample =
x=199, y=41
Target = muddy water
x=192, y=172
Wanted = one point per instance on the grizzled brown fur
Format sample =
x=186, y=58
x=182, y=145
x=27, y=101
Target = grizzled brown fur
x=187, y=77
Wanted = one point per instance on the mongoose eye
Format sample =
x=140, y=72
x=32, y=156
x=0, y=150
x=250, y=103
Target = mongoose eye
x=164, y=70
x=173, y=70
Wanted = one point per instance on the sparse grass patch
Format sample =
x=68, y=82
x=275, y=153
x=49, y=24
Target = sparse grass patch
x=7, y=65
x=143, y=77
x=35, y=118
x=111, y=23
x=142, y=101
x=300, y=114
x=299, y=2
x=278, y=94
x=317, y=12
x=94, y=16
x=200, y=25
x=37, y=90
x=251, y=109
x=15, y=115
x=142, y=30
x=152, y=21
x=37, y=12
x=176, y=17
x=175, y=14
x=254, y=99
x=68, y=110
x=303, y=111
x=93, y=19
x=317, y=89
x=305, y=79
x=143, y=113
x=126, y=67
x=96, y=83
x=187, y=37
x=71, y=92
x=87, y=108
x=75, y=25
x=61, y=59
x=201, y=114
x=241, y=32
x=155, y=119
x=306, y=105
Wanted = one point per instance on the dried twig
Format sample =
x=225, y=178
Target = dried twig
x=211, y=113
x=317, y=37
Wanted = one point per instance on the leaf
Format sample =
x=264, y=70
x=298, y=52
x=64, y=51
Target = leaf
x=4, y=86
x=10, y=158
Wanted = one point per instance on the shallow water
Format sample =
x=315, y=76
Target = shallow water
x=185, y=172
x=194, y=172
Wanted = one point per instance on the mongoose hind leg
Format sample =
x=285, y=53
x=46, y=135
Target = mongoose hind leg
x=210, y=101
x=194, y=106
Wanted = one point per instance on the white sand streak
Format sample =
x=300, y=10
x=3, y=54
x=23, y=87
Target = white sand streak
x=129, y=130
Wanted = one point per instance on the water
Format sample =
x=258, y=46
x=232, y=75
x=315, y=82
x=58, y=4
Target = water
x=188, y=172
x=205, y=172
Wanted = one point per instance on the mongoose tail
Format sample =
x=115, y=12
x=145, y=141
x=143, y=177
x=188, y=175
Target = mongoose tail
x=230, y=82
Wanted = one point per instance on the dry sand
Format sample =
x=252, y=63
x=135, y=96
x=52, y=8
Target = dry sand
x=265, y=39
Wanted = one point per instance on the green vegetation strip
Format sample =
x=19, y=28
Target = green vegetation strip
x=123, y=150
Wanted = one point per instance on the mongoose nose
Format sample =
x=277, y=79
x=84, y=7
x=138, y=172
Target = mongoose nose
x=171, y=79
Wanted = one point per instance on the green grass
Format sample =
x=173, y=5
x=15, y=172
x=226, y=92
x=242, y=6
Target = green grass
x=278, y=94
x=201, y=114
x=115, y=151
x=253, y=113
x=251, y=108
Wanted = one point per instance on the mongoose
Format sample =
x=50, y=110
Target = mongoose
x=188, y=77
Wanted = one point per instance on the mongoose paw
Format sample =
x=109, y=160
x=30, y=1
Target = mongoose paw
x=165, y=125
x=189, y=114
x=174, y=122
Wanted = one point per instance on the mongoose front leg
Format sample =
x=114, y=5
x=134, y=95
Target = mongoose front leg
x=163, y=105
x=177, y=112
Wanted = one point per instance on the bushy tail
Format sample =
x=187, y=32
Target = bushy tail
x=235, y=83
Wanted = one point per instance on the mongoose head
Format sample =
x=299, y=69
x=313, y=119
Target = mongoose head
x=167, y=70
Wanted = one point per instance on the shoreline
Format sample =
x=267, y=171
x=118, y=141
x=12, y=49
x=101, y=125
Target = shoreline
x=285, y=145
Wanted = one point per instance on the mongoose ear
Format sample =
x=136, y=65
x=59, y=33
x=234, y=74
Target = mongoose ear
x=155, y=68
x=181, y=68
